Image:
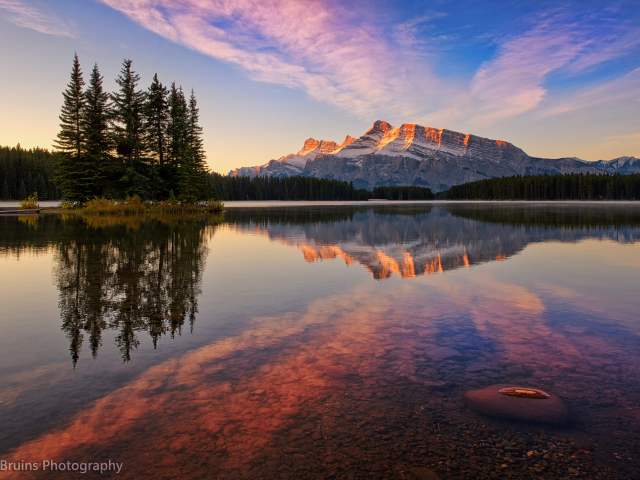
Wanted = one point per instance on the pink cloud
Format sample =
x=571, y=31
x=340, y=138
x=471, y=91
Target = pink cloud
x=337, y=57
x=299, y=44
x=27, y=16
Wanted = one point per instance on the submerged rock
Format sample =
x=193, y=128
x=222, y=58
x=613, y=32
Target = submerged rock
x=514, y=402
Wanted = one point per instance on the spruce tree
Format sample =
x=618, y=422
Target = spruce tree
x=192, y=170
x=70, y=141
x=42, y=188
x=22, y=192
x=94, y=166
x=5, y=190
x=70, y=136
x=156, y=118
x=196, y=149
x=177, y=134
x=128, y=115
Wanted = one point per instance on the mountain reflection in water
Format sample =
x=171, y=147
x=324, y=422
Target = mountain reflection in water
x=393, y=241
x=361, y=379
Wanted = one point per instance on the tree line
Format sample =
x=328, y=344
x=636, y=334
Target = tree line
x=306, y=188
x=284, y=188
x=570, y=186
x=24, y=172
x=129, y=142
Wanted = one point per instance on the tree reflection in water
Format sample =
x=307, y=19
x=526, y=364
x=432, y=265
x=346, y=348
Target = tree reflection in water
x=129, y=274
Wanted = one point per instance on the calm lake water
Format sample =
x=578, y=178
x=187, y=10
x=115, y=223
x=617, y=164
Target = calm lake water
x=321, y=341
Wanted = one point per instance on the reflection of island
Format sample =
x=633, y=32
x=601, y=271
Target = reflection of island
x=115, y=277
x=423, y=241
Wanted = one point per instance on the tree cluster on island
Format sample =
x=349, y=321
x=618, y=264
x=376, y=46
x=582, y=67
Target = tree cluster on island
x=129, y=142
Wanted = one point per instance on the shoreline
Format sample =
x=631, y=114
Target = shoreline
x=52, y=205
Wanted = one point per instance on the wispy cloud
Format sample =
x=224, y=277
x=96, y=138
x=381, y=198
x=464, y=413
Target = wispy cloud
x=301, y=44
x=28, y=16
x=622, y=89
x=514, y=81
x=340, y=58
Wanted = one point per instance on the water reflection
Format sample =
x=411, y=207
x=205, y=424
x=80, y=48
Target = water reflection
x=410, y=242
x=127, y=274
x=363, y=383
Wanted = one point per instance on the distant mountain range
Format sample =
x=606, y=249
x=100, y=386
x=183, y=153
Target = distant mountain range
x=422, y=156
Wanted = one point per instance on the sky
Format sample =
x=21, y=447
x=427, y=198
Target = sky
x=557, y=79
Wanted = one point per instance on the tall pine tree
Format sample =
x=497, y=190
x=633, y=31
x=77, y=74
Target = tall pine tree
x=177, y=135
x=156, y=118
x=70, y=136
x=191, y=181
x=95, y=167
x=128, y=115
x=70, y=140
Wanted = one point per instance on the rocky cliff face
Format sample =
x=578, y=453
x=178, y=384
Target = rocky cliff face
x=422, y=156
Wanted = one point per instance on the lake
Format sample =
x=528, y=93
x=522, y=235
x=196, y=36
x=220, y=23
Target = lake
x=320, y=341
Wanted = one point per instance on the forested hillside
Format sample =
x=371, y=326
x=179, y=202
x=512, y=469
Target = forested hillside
x=573, y=186
x=24, y=172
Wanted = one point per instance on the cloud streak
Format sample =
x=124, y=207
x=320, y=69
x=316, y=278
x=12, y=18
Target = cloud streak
x=338, y=58
x=305, y=45
x=27, y=16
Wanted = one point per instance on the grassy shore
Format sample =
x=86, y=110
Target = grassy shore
x=135, y=206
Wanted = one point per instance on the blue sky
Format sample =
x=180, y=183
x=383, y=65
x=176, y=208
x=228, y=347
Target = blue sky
x=554, y=78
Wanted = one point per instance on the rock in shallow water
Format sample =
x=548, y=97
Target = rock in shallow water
x=515, y=403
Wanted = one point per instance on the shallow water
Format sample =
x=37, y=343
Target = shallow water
x=319, y=341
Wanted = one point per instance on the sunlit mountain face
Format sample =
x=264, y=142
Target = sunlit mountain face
x=422, y=156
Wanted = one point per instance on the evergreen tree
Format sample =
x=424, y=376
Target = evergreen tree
x=22, y=192
x=196, y=150
x=156, y=118
x=5, y=190
x=70, y=136
x=94, y=165
x=41, y=186
x=177, y=134
x=70, y=141
x=192, y=170
x=128, y=115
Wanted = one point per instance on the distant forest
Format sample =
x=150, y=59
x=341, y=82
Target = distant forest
x=307, y=188
x=571, y=186
x=23, y=172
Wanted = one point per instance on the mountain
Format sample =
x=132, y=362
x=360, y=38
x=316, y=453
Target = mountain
x=422, y=156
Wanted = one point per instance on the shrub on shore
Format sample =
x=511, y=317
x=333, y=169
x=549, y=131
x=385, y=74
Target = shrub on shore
x=135, y=206
x=174, y=207
x=31, y=202
x=105, y=206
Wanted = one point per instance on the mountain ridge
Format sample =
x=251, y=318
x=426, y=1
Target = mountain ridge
x=414, y=155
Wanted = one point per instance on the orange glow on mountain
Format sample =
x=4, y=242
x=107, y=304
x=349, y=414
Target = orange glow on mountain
x=500, y=257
